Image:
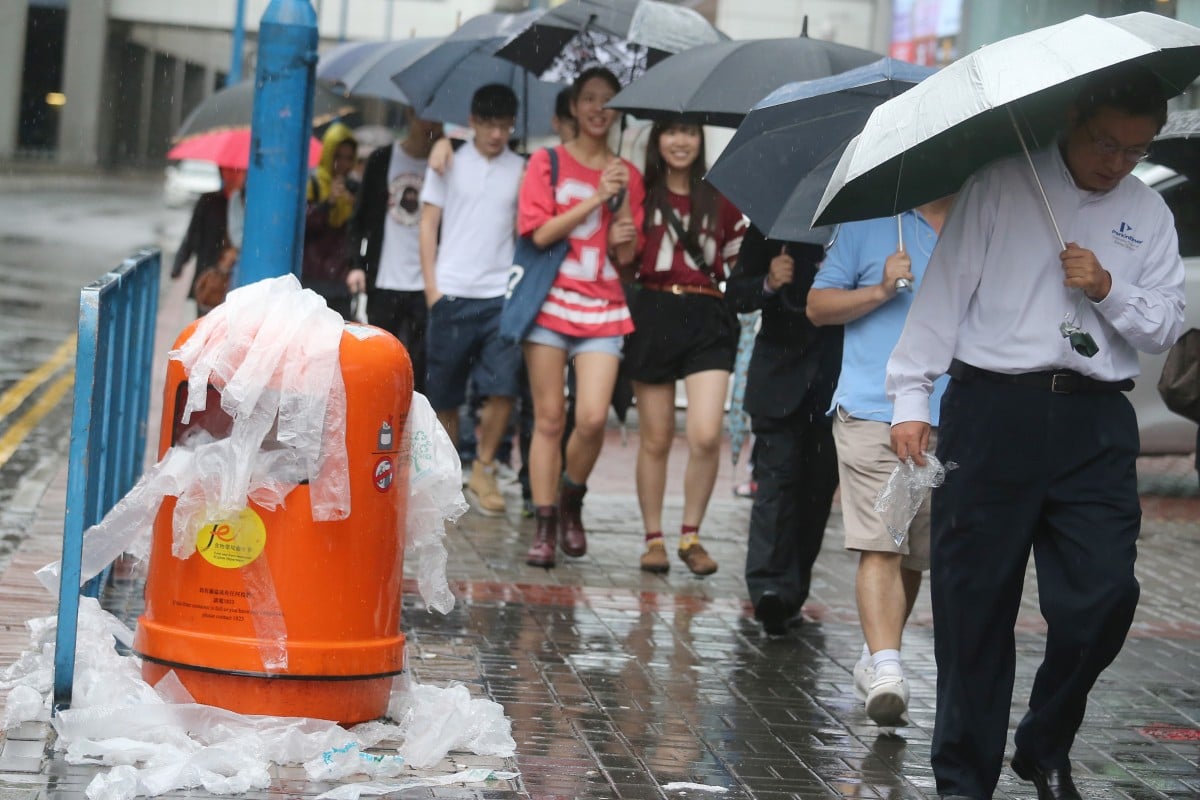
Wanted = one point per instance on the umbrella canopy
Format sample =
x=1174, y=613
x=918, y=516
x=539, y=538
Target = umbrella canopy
x=338, y=57
x=440, y=83
x=366, y=71
x=923, y=144
x=720, y=83
x=1178, y=144
x=777, y=165
x=233, y=106
x=627, y=36
x=228, y=148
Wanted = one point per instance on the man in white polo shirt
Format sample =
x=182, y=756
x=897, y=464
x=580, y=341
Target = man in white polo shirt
x=466, y=275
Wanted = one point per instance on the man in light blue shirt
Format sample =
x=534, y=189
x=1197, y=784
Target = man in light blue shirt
x=859, y=285
x=1045, y=440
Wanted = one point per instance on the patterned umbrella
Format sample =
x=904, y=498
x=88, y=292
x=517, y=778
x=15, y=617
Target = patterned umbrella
x=737, y=421
x=627, y=36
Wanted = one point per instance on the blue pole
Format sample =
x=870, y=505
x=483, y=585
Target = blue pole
x=239, y=39
x=279, y=134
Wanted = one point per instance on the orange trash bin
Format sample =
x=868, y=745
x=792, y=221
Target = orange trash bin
x=267, y=586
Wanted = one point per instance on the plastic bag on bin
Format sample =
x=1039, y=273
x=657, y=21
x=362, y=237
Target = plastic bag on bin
x=435, y=497
x=906, y=490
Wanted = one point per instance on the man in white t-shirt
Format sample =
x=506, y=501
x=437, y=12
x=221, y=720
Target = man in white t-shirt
x=384, y=239
x=474, y=203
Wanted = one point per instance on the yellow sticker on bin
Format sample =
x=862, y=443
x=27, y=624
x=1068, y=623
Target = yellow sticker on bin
x=232, y=542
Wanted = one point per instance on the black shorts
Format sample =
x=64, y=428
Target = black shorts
x=677, y=335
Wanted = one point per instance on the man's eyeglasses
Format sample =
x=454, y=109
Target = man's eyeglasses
x=499, y=126
x=1107, y=148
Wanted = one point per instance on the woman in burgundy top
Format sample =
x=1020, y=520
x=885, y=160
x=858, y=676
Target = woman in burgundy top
x=683, y=331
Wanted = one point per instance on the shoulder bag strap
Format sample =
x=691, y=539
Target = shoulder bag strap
x=676, y=224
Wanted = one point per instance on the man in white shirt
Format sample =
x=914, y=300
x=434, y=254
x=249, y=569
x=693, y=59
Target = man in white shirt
x=1043, y=436
x=384, y=239
x=474, y=205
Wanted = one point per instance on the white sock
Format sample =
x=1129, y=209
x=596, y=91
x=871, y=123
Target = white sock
x=866, y=653
x=887, y=661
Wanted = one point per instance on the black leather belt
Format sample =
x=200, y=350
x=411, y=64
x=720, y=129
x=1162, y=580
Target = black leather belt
x=1063, y=381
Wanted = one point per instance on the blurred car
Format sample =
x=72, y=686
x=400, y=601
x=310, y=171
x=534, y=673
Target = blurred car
x=186, y=180
x=1162, y=431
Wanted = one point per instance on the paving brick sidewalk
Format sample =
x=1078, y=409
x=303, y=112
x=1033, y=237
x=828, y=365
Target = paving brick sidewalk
x=620, y=683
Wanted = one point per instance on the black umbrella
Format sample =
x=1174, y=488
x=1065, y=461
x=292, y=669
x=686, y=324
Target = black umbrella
x=1178, y=144
x=777, y=165
x=720, y=83
x=439, y=83
x=627, y=36
x=233, y=106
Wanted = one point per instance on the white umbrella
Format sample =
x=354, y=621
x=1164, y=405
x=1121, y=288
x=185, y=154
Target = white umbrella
x=924, y=143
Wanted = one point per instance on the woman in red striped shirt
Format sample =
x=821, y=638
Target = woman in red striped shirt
x=597, y=206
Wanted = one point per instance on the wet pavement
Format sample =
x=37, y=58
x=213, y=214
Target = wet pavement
x=621, y=684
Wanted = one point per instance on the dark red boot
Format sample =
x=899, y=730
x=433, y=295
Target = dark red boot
x=545, y=539
x=570, y=515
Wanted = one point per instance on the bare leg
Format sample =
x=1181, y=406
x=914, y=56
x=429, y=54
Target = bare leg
x=706, y=409
x=546, y=366
x=882, y=601
x=656, y=428
x=493, y=420
x=595, y=377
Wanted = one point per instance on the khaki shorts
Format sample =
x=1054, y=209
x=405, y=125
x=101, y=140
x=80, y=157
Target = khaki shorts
x=865, y=461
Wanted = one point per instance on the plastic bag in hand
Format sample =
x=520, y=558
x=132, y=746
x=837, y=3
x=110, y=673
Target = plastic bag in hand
x=906, y=490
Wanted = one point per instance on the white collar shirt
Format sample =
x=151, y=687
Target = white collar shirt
x=993, y=295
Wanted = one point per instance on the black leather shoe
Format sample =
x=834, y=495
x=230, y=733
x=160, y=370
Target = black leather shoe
x=1052, y=784
x=773, y=613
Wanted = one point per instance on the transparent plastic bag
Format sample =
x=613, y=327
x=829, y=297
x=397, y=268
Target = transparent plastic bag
x=906, y=490
x=435, y=498
x=439, y=719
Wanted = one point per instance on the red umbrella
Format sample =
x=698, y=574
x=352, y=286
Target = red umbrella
x=228, y=148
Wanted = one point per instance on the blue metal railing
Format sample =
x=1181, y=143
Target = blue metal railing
x=113, y=364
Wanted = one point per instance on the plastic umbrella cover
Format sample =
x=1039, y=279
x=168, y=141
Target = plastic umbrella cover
x=737, y=421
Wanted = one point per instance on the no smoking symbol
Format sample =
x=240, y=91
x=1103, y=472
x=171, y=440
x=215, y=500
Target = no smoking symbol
x=384, y=472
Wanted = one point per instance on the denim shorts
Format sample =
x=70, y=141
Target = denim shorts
x=574, y=345
x=464, y=345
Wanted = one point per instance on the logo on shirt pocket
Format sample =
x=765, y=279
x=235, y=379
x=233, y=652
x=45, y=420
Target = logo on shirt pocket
x=1124, y=236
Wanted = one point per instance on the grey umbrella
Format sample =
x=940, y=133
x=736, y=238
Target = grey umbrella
x=366, y=68
x=439, y=84
x=718, y=84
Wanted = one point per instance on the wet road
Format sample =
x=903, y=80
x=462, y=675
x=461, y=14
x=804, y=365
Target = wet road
x=57, y=233
x=626, y=685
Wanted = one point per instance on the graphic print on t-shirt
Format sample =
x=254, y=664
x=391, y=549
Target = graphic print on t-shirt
x=404, y=198
x=587, y=267
x=664, y=260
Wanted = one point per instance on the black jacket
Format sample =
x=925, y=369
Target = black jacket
x=793, y=360
x=207, y=235
x=370, y=213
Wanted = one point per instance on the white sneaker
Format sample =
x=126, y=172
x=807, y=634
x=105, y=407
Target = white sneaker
x=887, y=700
x=864, y=673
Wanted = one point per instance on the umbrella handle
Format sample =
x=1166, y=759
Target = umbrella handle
x=1049, y=211
x=902, y=284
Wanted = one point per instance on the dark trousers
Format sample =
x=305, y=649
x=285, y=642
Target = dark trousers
x=795, y=465
x=1054, y=474
x=405, y=316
